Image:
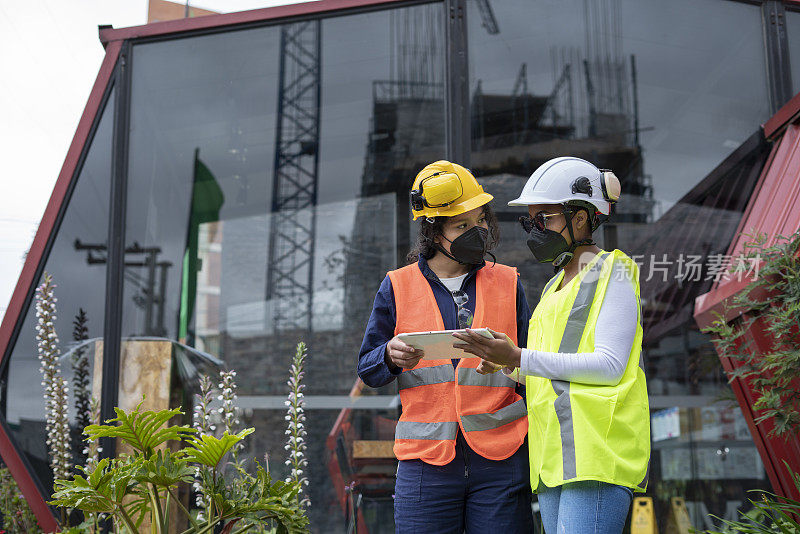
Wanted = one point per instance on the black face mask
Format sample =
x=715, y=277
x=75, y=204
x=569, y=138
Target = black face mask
x=549, y=246
x=468, y=248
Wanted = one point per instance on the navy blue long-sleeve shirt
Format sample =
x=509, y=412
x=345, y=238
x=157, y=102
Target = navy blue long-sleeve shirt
x=372, y=367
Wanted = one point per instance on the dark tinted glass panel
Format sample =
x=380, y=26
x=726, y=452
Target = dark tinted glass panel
x=267, y=198
x=77, y=264
x=662, y=97
x=793, y=31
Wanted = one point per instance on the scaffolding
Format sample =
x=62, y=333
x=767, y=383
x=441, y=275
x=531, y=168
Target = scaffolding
x=290, y=263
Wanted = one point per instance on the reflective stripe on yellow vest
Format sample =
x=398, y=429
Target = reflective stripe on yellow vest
x=579, y=431
x=438, y=398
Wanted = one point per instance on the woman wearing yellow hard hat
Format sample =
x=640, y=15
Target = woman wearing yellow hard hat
x=462, y=466
x=583, y=369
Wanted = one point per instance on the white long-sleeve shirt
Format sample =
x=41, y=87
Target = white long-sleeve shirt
x=613, y=339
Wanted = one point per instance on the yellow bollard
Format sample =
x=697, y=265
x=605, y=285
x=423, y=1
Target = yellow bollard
x=678, y=521
x=643, y=519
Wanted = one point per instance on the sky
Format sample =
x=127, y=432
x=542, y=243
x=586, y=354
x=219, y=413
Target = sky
x=49, y=58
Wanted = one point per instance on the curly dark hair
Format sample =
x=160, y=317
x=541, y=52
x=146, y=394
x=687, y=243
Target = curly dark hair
x=428, y=231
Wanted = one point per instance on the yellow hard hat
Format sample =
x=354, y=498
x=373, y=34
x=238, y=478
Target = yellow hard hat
x=445, y=189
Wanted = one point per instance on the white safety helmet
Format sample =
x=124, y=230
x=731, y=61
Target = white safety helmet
x=571, y=181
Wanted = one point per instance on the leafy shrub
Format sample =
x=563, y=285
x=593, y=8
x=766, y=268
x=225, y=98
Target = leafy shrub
x=133, y=487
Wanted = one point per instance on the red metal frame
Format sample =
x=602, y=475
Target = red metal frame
x=772, y=210
x=785, y=116
x=777, y=449
x=10, y=455
x=172, y=27
x=773, y=451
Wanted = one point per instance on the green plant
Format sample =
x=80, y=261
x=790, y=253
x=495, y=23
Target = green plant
x=81, y=389
x=229, y=411
x=773, y=298
x=143, y=484
x=91, y=453
x=17, y=517
x=201, y=421
x=296, y=431
x=56, y=391
x=59, y=448
x=771, y=514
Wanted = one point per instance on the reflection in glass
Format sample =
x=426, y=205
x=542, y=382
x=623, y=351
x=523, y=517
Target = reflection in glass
x=267, y=199
x=77, y=262
x=685, y=379
x=618, y=77
x=662, y=97
x=793, y=35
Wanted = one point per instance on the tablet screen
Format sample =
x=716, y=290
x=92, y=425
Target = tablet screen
x=439, y=345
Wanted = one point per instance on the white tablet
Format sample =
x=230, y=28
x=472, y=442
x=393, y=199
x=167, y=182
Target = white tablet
x=439, y=345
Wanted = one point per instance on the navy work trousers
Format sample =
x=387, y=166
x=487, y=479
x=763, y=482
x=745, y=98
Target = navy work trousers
x=470, y=494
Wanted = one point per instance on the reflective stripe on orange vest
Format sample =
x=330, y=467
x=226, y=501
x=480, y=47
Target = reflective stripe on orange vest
x=490, y=421
x=424, y=376
x=437, y=431
x=470, y=377
x=437, y=398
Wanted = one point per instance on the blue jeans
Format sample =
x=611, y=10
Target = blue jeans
x=470, y=494
x=587, y=507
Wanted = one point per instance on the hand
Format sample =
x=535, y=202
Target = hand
x=398, y=354
x=499, y=350
x=486, y=368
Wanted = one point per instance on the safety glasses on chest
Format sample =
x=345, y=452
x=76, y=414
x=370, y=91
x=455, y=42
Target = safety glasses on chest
x=464, y=315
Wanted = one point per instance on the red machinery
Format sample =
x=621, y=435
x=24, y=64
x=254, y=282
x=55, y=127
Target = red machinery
x=363, y=470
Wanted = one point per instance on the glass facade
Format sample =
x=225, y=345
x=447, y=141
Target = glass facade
x=77, y=263
x=270, y=194
x=793, y=31
x=650, y=90
x=267, y=197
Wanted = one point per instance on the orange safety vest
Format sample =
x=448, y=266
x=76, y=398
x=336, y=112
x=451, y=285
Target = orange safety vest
x=437, y=398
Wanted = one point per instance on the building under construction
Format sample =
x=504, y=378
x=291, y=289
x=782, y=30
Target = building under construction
x=239, y=182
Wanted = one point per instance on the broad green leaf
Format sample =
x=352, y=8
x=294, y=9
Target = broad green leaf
x=257, y=499
x=141, y=430
x=208, y=450
x=103, y=490
x=165, y=469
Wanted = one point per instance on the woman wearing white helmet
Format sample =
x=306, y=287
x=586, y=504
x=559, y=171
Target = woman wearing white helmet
x=589, y=434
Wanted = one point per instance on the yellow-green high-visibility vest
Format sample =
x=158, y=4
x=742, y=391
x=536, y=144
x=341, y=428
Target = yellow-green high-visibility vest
x=581, y=431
